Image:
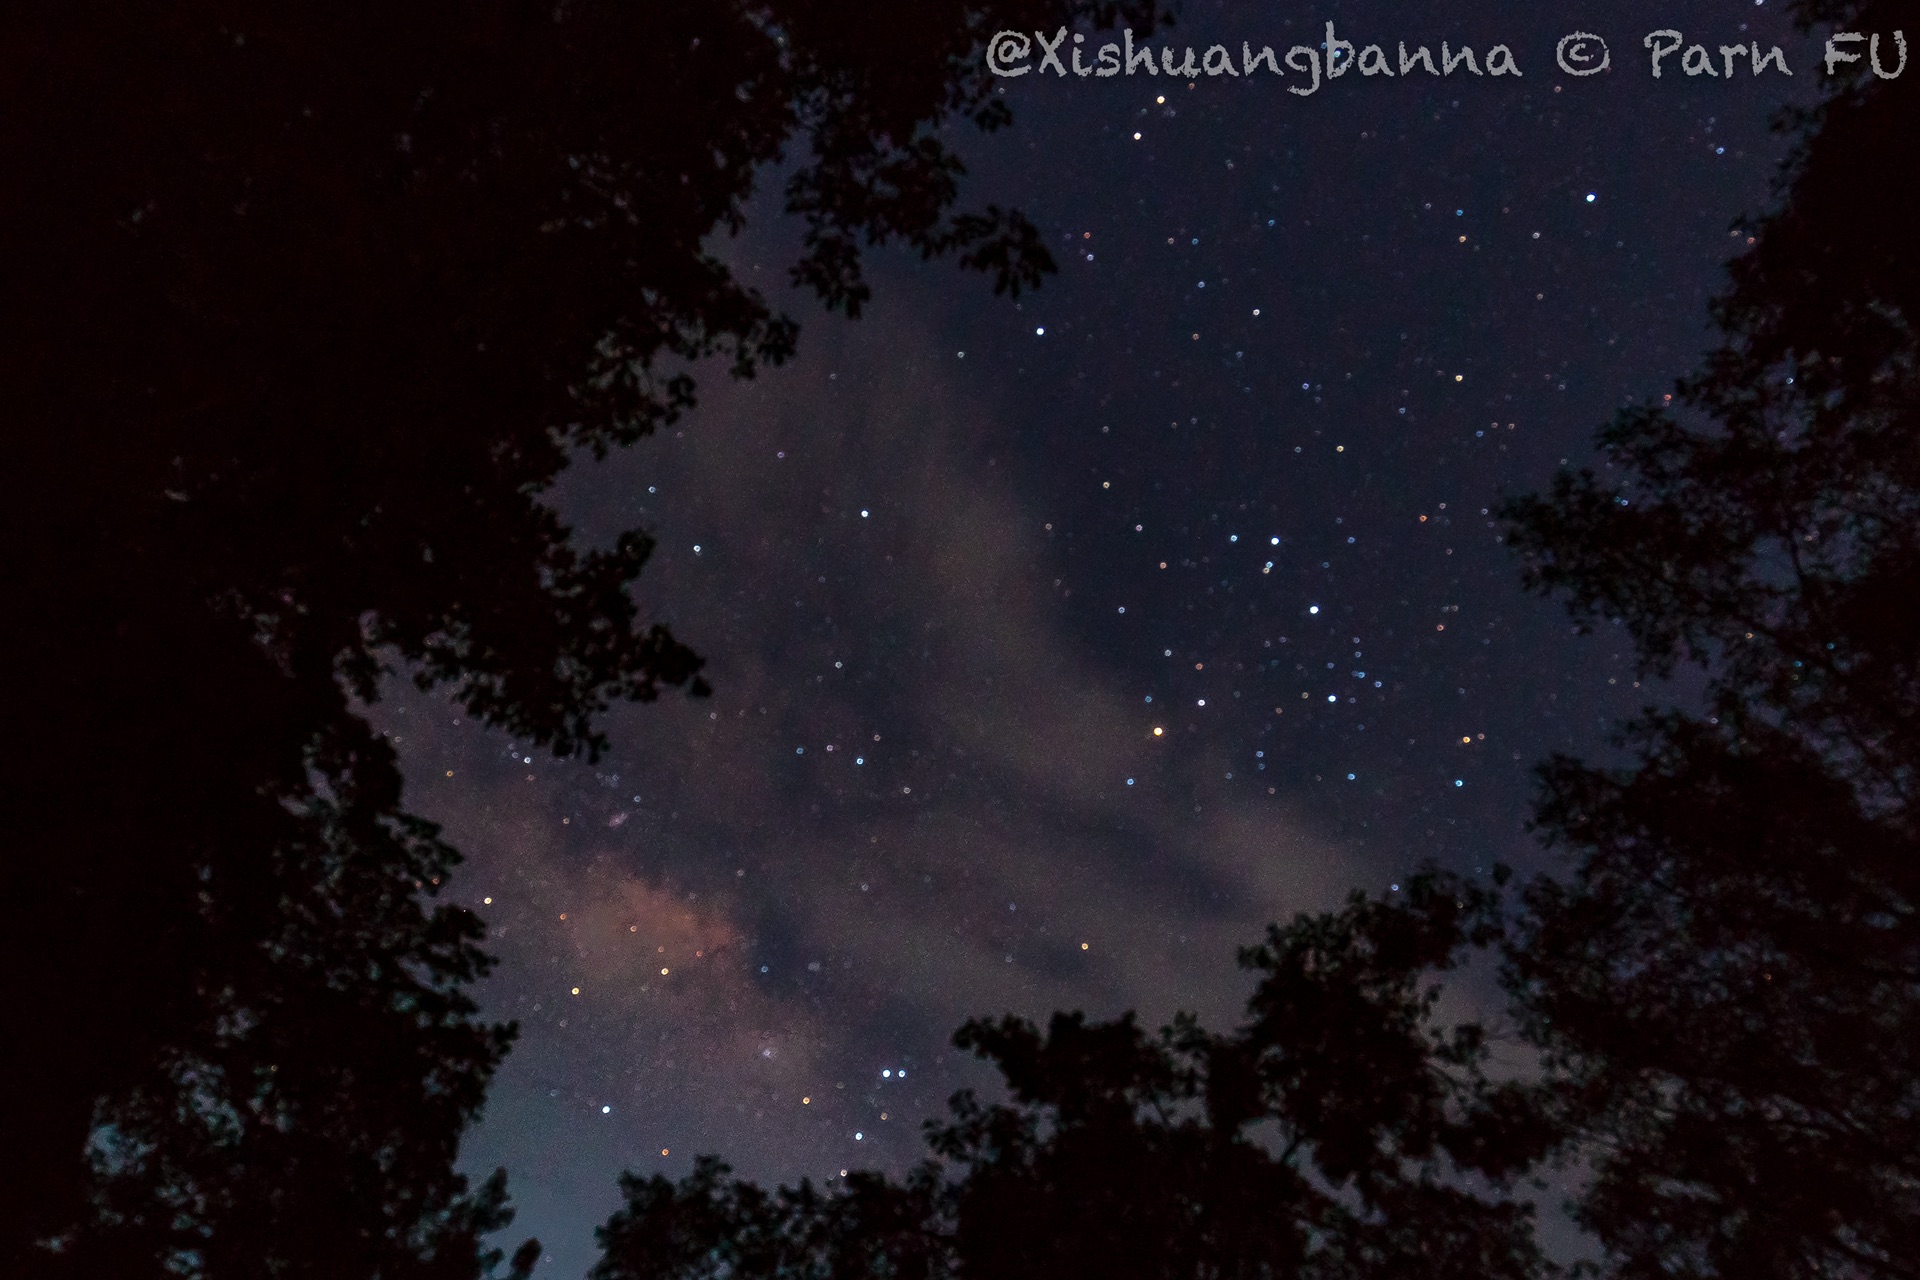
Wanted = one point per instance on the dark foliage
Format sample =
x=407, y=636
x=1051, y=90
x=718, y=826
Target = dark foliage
x=1327, y=1137
x=1728, y=981
x=306, y=306
x=1724, y=986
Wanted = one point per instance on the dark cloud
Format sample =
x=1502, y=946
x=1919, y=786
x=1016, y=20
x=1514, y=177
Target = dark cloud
x=930, y=829
x=908, y=799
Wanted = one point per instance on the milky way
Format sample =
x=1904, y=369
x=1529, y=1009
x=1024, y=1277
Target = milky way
x=1060, y=644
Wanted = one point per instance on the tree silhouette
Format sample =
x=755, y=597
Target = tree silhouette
x=1325, y=1137
x=1727, y=985
x=1724, y=987
x=306, y=307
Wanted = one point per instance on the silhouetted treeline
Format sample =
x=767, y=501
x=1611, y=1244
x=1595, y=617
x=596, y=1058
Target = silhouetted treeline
x=1325, y=1137
x=1727, y=985
x=304, y=305
x=1721, y=984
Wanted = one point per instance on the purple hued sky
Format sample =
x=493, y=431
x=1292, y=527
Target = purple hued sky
x=946, y=599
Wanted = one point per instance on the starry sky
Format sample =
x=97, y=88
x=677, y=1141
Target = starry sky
x=1059, y=645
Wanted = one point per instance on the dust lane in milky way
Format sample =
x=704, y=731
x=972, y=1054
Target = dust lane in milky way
x=1223, y=478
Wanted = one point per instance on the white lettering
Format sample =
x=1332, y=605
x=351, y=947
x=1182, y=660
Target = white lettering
x=1312, y=64
x=1661, y=50
x=1221, y=65
x=1835, y=55
x=1248, y=61
x=1873, y=55
x=1050, y=53
x=1336, y=63
x=1186, y=68
x=1144, y=58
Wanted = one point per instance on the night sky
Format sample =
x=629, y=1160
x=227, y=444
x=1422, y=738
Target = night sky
x=1059, y=645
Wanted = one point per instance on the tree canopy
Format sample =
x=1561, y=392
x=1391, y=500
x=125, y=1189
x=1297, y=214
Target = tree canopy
x=1727, y=983
x=1325, y=1137
x=307, y=306
x=1721, y=979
